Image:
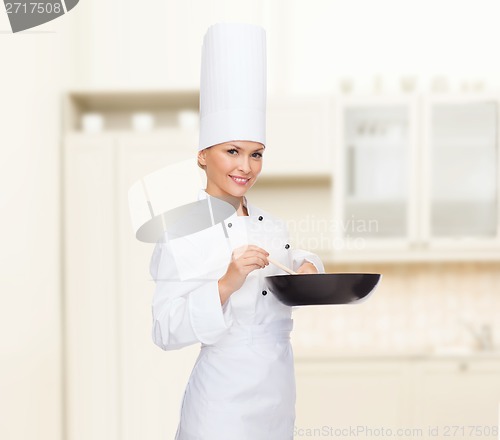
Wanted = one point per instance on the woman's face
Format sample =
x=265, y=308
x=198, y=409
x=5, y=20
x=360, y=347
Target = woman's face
x=232, y=167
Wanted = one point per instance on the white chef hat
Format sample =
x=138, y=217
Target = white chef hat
x=233, y=85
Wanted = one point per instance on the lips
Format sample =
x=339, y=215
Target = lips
x=239, y=180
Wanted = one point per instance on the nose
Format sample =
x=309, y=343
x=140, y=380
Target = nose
x=244, y=164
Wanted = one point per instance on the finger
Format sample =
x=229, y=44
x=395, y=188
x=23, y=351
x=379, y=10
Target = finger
x=261, y=257
x=252, y=247
x=307, y=268
x=259, y=252
x=241, y=250
x=254, y=254
x=258, y=260
x=247, y=268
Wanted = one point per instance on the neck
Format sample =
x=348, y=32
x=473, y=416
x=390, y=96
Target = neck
x=242, y=210
x=235, y=202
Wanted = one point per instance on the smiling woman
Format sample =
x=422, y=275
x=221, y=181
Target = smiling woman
x=242, y=385
x=232, y=168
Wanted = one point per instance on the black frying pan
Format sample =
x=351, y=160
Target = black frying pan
x=323, y=288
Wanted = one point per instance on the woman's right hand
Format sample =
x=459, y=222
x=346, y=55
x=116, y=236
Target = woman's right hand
x=244, y=260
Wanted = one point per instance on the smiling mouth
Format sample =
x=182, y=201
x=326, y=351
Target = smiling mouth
x=239, y=180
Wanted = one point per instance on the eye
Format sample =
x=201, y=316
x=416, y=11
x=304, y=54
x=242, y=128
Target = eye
x=232, y=150
x=256, y=154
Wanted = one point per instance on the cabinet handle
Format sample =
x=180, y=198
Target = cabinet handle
x=351, y=190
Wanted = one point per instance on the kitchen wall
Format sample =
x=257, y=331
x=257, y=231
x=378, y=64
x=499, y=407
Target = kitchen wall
x=143, y=44
x=418, y=307
x=33, y=72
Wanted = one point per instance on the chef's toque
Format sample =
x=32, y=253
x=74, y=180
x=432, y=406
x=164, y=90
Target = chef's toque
x=233, y=84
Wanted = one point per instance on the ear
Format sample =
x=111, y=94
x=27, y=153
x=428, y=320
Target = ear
x=202, y=157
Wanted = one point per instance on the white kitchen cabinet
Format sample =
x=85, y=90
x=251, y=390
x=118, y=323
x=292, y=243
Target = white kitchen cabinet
x=460, y=164
x=416, y=177
x=120, y=385
x=298, y=137
x=375, y=183
x=413, y=394
x=343, y=393
x=152, y=380
x=90, y=288
x=461, y=397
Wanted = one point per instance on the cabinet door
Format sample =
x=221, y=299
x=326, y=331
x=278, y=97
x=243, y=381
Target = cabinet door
x=460, y=173
x=90, y=290
x=120, y=385
x=152, y=381
x=375, y=172
x=454, y=393
x=298, y=137
x=333, y=394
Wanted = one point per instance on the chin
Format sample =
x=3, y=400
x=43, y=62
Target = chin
x=238, y=192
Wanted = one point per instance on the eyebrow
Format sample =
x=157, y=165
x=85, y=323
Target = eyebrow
x=239, y=148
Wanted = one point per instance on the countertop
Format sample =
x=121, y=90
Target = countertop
x=437, y=354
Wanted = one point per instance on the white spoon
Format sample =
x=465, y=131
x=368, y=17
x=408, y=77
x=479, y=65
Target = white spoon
x=286, y=269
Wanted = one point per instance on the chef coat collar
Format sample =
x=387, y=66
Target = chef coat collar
x=203, y=195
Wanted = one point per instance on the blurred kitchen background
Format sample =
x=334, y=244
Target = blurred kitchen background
x=383, y=133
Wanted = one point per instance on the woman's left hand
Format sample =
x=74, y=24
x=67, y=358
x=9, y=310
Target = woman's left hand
x=307, y=268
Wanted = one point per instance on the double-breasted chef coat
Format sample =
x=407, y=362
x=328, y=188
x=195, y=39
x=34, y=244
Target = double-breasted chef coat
x=242, y=385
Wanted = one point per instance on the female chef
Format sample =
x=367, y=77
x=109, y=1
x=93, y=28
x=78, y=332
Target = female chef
x=210, y=285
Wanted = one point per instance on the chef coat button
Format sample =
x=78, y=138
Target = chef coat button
x=287, y=246
x=229, y=225
x=261, y=218
x=264, y=292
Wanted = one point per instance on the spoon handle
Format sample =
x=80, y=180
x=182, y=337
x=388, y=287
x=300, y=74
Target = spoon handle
x=286, y=269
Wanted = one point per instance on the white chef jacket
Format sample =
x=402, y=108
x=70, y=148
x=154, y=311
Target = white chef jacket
x=251, y=330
